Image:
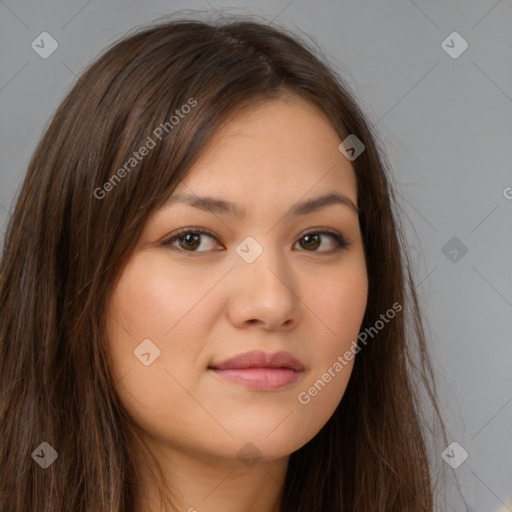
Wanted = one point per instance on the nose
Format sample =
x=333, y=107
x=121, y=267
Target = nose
x=263, y=293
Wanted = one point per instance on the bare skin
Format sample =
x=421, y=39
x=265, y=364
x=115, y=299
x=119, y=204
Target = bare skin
x=199, y=301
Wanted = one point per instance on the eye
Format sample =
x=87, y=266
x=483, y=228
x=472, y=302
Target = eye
x=313, y=239
x=189, y=239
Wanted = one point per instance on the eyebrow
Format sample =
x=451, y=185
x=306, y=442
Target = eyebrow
x=224, y=207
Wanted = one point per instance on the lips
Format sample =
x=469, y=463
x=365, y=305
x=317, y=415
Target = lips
x=260, y=370
x=260, y=359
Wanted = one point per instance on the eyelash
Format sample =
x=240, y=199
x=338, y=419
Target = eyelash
x=341, y=242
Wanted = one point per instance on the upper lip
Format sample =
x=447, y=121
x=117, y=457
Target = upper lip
x=260, y=359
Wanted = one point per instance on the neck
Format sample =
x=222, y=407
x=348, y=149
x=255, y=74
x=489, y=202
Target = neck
x=208, y=484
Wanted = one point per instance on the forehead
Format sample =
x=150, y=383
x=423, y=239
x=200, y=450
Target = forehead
x=280, y=150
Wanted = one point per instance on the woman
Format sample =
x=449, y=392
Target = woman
x=205, y=304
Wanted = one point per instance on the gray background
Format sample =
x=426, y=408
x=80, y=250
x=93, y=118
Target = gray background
x=446, y=124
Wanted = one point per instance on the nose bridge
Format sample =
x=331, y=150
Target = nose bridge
x=261, y=259
x=264, y=280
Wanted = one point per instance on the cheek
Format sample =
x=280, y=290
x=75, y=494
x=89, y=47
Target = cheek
x=153, y=302
x=338, y=302
x=163, y=302
x=153, y=307
x=339, y=310
x=151, y=297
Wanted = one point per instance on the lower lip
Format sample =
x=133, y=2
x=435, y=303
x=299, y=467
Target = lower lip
x=262, y=379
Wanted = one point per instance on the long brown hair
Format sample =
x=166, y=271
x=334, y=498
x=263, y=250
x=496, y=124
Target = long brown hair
x=75, y=224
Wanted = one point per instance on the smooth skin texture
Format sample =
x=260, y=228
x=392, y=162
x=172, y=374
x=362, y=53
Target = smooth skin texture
x=199, y=301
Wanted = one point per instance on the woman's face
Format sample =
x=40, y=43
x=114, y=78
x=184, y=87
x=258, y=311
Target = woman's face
x=267, y=282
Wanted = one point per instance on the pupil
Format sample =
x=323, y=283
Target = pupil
x=187, y=238
x=313, y=238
